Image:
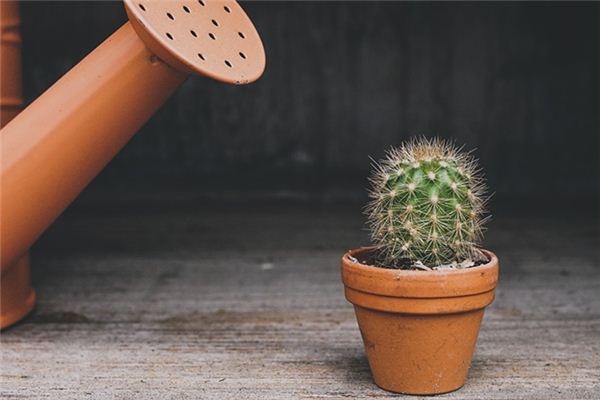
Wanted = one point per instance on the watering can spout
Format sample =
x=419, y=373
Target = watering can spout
x=58, y=144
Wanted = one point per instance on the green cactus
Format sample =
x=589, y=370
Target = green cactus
x=427, y=204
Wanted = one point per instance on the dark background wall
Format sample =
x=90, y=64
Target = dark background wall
x=345, y=80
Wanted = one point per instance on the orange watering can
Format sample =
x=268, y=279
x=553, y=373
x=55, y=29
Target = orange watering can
x=59, y=143
x=17, y=297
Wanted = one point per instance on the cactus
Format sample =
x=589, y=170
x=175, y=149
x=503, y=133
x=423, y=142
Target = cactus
x=427, y=205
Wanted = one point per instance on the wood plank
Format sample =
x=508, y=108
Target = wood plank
x=232, y=302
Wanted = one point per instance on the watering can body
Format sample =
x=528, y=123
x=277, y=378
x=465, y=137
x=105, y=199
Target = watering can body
x=17, y=297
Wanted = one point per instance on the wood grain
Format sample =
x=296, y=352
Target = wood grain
x=226, y=302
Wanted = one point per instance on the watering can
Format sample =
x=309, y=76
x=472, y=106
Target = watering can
x=53, y=148
x=17, y=295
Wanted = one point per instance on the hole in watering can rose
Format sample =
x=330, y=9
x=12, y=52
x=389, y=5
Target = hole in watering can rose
x=215, y=23
x=171, y=17
x=186, y=9
x=194, y=34
x=201, y=3
x=169, y=36
x=228, y=63
x=142, y=7
x=227, y=9
x=212, y=36
x=201, y=56
x=241, y=35
x=242, y=55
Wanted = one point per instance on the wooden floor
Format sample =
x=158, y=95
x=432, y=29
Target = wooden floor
x=226, y=302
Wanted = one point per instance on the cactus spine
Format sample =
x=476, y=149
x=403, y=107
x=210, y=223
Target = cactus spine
x=427, y=204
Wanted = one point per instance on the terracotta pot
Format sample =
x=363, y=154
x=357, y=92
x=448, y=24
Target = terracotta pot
x=419, y=328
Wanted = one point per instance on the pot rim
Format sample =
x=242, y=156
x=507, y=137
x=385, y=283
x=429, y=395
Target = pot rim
x=418, y=284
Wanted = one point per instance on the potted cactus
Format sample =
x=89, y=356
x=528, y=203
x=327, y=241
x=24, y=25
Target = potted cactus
x=419, y=292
